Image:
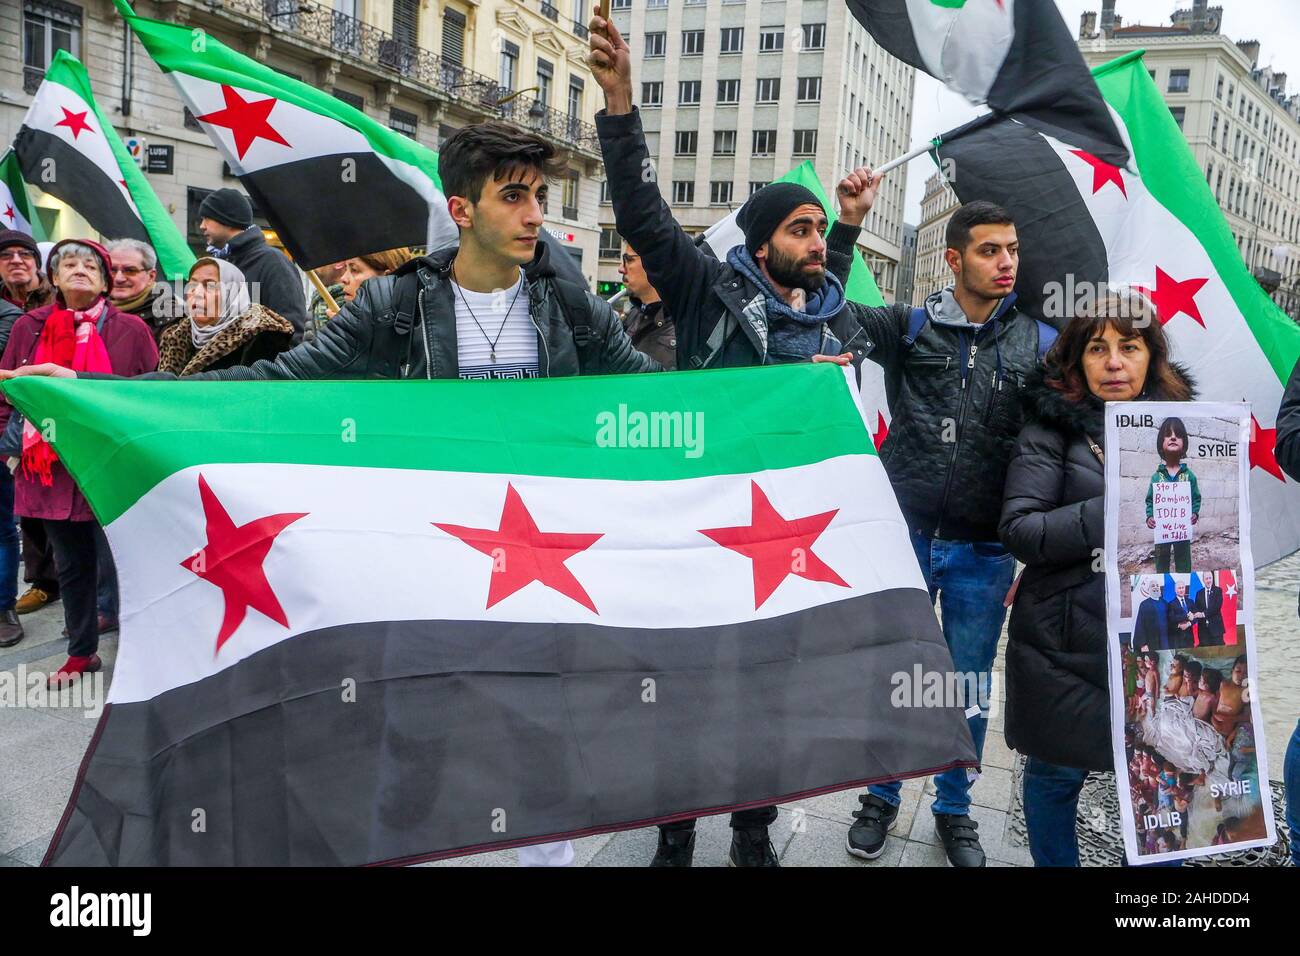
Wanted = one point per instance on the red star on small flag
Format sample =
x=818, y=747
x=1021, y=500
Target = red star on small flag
x=1102, y=172
x=10, y=214
x=247, y=119
x=882, y=431
x=777, y=546
x=75, y=122
x=1172, y=297
x=1262, y=449
x=522, y=554
x=232, y=560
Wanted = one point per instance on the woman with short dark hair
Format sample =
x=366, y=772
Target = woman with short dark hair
x=1053, y=520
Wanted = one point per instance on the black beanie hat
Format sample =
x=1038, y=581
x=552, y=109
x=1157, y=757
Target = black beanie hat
x=765, y=210
x=12, y=237
x=227, y=206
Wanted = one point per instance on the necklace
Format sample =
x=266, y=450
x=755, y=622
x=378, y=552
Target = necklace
x=492, y=342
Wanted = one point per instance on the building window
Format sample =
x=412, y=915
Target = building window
x=805, y=142
x=655, y=44
x=814, y=36
x=720, y=193
x=764, y=142
x=656, y=3
x=604, y=192
x=728, y=91
x=1218, y=88
x=733, y=39
x=724, y=142
x=688, y=93
x=652, y=94
x=48, y=27
x=1214, y=131
x=571, y=196
x=611, y=244
x=683, y=192
x=620, y=4
x=692, y=43
x=1180, y=114
x=545, y=77
x=575, y=96
x=810, y=90
x=687, y=141
x=755, y=185
x=453, y=37
x=406, y=22
x=403, y=122
x=771, y=41
x=509, y=61
x=356, y=102
x=769, y=90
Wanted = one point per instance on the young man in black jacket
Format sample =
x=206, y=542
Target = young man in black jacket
x=953, y=373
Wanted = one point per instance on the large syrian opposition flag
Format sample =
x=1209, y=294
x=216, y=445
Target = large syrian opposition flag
x=725, y=234
x=476, y=615
x=1155, y=228
x=16, y=210
x=334, y=182
x=1018, y=56
x=68, y=148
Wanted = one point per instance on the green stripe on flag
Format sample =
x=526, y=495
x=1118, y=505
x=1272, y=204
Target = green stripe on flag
x=119, y=438
x=1170, y=172
x=861, y=287
x=949, y=4
x=174, y=256
x=12, y=175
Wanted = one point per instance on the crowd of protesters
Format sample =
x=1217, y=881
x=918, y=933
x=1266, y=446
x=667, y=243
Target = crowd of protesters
x=1021, y=479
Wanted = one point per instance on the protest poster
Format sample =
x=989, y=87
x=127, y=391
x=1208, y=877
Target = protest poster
x=1186, y=721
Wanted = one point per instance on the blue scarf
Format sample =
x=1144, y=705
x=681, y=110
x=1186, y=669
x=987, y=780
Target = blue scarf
x=792, y=335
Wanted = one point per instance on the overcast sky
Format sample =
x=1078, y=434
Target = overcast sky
x=1275, y=23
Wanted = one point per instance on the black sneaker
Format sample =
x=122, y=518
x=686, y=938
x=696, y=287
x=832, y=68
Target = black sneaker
x=876, y=818
x=752, y=848
x=960, y=841
x=676, y=848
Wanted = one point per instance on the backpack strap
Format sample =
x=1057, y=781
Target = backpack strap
x=394, y=320
x=1047, y=336
x=915, y=323
x=576, y=306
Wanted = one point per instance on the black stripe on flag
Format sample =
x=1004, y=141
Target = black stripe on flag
x=890, y=25
x=1008, y=163
x=338, y=206
x=60, y=170
x=466, y=736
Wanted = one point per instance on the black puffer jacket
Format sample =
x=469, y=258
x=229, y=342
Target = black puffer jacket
x=362, y=340
x=1053, y=520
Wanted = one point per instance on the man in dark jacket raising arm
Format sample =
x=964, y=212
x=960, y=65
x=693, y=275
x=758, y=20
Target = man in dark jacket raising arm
x=953, y=372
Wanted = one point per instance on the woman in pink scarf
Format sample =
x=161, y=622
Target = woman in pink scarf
x=83, y=331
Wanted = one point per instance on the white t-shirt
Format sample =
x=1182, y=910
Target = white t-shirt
x=515, y=353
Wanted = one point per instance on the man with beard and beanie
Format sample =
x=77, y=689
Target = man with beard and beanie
x=771, y=301
x=953, y=372
x=227, y=225
x=647, y=323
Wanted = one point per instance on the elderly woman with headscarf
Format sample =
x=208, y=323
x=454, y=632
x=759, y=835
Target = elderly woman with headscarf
x=83, y=331
x=224, y=327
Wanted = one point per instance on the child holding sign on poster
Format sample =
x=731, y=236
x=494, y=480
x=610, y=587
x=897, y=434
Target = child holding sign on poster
x=1173, y=499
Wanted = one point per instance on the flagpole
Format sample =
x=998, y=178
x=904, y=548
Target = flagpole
x=323, y=292
x=905, y=158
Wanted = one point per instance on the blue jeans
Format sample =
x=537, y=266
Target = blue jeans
x=1051, y=808
x=8, y=542
x=1291, y=781
x=970, y=580
x=106, y=600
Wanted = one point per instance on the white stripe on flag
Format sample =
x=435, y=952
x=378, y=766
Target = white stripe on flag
x=11, y=211
x=369, y=551
x=964, y=46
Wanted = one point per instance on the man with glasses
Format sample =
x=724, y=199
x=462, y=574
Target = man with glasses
x=135, y=286
x=647, y=323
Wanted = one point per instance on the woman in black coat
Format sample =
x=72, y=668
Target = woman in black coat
x=1053, y=520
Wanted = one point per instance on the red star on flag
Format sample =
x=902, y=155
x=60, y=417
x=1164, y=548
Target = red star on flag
x=777, y=546
x=1262, y=453
x=247, y=119
x=75, y=122
x=1102, y=172
x=1172, y=297
x=882, y=431
x=522, y=554
x=10, y=214
x=232, y=560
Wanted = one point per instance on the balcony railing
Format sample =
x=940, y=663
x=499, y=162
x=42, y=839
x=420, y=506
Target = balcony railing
x=345, y=35
x=550, y=12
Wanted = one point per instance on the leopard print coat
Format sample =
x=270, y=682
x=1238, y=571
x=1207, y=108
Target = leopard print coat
x=258, y=333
